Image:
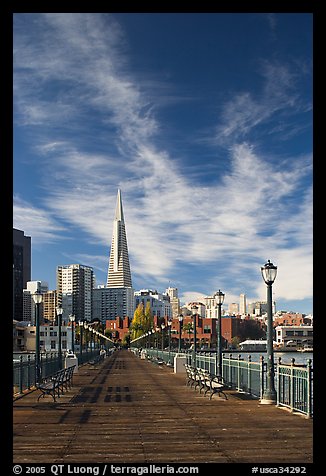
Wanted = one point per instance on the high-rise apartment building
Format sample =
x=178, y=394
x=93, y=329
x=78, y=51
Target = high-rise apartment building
x=110, y=303
x=243, y=304
x=119, y=275
x=21, y=270
x=50, y=303
x=75, y=283
x=174, y=300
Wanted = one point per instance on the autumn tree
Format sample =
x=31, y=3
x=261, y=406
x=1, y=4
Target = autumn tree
x=137, y=323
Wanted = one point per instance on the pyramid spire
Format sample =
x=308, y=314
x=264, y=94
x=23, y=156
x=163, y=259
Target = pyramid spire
x=118, y=208
x=119, y=275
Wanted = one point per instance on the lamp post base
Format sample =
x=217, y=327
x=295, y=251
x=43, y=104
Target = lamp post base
x=269, y=399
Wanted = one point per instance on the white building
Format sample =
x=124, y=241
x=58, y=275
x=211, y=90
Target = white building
x=159, y=302
x=294, y=336
x=174, y=300
x=32, y=287
x=243, y=305
x=25, y=338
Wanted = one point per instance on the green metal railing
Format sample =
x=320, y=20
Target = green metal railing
x=294, y=387
x=294, y=383
x=24, y=371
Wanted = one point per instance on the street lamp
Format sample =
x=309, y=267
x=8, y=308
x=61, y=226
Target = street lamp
x=269, y=272
x=72, y=320
x=162, y=344
x=59, y=314
x=81, y=327
x=157, y=329
x=180, y=318
x=37, y=297
x=169, y=333
x=194, y=310
x=219, y=299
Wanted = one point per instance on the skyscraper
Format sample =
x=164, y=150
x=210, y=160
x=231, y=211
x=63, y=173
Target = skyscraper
x=74, y=285
x=119, y=275
x=117, y=298
x=21, y=270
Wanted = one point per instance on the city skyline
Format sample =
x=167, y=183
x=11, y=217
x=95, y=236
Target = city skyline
x=208, y=136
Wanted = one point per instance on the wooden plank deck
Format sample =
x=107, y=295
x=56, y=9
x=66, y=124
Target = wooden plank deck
x=128, y=410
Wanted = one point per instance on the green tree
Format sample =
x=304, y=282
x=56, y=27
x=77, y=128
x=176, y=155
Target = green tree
x=188, y=328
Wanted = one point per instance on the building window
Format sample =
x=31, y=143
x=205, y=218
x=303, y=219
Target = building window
x=53, y=344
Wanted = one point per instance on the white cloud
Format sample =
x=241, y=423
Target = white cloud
x=237, y=222
x=35, y=222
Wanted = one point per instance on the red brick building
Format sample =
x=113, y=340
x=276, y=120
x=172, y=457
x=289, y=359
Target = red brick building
x=118, y=328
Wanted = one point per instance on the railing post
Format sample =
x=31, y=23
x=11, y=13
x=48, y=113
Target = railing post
x=249, y=374
x=28, y=372
x=238, y=373
x=278, y=374
x=262, y=376
x=20, y=374
x=309, y=393
x=292, y=385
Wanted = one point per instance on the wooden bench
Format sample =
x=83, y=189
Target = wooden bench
x=201, y=378
x=56, y=384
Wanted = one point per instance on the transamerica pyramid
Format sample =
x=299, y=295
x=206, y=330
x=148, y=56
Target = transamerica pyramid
x=119, y=275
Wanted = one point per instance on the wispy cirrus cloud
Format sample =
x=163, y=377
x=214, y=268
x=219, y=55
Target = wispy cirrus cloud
x=36, y=222
x=78, y=66
x=246, y=111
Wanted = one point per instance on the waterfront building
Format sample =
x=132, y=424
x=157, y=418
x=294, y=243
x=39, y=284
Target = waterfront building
x=24, y=338
x=21, y=270
x=294, y=336
x=75, y=283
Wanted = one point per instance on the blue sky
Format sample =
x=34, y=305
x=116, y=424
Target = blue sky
x=204, y=121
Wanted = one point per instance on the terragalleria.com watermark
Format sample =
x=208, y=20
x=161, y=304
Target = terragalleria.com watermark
x=105, y=469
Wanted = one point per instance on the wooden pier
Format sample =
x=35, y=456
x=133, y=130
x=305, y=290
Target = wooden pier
x=128, y=410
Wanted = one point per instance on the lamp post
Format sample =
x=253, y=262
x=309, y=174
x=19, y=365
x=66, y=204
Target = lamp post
x=59, y=314
x=269, y=272
x=72, y=320
x=194, y=310
x=162, y=343
x=157, y=329
x=37, y=297
x=180, y=318
x=81, y=328
x=219, y=299
x=169, y=333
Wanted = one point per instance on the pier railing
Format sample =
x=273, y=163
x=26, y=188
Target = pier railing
x=24, y=371
x=295, y=387
x=293, y=383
